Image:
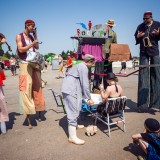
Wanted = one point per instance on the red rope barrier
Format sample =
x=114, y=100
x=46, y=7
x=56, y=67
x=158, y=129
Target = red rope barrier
x=118, y=75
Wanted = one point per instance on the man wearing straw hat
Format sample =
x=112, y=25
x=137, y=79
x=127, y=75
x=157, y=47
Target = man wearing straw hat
x=111, y=38
x=148, y=35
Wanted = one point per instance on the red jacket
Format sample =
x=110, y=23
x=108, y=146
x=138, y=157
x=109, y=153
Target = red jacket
x=2, y=77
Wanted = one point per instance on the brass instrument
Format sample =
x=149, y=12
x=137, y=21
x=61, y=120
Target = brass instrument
x=146, y=40
x=35, y=35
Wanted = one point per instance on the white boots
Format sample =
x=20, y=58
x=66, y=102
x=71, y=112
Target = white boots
x=3, y=127
x=73, y=137
x=80, y=126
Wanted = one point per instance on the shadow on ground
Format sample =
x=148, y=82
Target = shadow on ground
x=134, y=149
x=34, y=117
x=12, y=118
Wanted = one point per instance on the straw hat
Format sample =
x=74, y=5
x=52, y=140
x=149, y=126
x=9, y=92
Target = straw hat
x=110, y=22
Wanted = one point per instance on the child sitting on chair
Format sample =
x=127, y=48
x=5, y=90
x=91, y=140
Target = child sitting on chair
x=113, y=90
x=149, y=140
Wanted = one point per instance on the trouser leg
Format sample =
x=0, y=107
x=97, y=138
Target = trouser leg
x=143, y=84
x=155, y=83
x=72, y=108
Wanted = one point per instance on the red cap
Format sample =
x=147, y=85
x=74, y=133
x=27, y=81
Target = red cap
x=148, y=13
x=29, y=21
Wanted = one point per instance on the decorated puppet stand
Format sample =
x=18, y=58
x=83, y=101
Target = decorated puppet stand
x=91, y=40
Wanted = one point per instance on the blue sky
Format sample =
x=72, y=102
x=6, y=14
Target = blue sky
x=56, y=20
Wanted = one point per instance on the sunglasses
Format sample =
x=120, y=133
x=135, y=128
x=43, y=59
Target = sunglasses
x=145, y=18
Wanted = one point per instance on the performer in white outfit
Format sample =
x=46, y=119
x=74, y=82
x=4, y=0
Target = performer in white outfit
x=75, y=86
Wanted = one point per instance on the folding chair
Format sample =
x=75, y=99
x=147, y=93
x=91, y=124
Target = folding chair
x=58, y=99
x=114, y=108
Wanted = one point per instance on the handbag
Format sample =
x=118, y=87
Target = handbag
x=35, y=59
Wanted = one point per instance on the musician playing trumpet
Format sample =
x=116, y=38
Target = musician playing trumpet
x=148, y=35
x=31, y=95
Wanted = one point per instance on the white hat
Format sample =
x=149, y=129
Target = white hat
x=88, y=57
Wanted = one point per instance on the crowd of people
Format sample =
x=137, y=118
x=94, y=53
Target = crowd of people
x=75, y=85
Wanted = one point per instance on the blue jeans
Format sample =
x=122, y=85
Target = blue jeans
x=149, y=83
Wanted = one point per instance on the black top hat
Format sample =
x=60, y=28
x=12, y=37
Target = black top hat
x=152, y=125
x=110, y=75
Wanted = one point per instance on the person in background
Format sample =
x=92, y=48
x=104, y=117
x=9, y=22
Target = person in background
x=12, y=62
x=46, y=65
x=3, y=108
x=60, y=66
x=31, y=94
x=134, y=63
x=123, y=67
x=149, y=139
x=75, y=85
x=69, y=62
x=147, y=35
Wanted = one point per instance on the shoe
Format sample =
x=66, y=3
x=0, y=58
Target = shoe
x=39, y=120
x=30, y=126
x=58, y=77
x=73, y=137
x=80, y=126
x=141, y=158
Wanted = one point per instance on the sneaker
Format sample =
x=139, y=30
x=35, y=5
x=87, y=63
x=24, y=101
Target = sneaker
x=141, y=158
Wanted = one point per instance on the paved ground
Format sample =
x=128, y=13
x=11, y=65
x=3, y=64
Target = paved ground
x=48, y=139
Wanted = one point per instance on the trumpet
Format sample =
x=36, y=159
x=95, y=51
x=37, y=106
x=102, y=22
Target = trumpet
x=147, y=42
x=34, y=32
